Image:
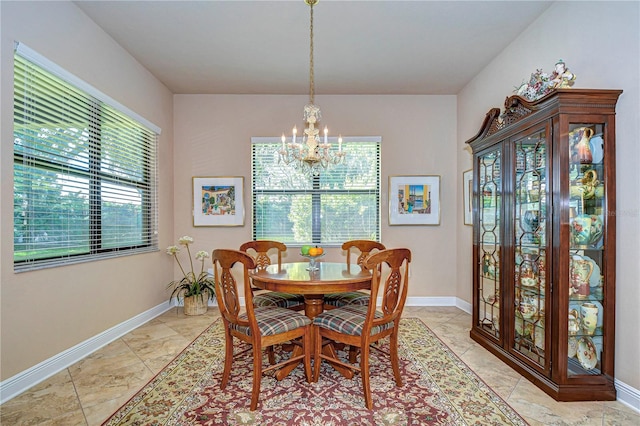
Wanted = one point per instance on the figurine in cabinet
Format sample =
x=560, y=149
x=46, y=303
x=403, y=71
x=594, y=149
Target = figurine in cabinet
x=561, y=78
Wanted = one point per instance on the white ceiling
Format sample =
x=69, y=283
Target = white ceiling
x=360, y=47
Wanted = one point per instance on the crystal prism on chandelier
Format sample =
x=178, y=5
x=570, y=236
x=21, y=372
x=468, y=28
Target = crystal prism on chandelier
x=311, y=155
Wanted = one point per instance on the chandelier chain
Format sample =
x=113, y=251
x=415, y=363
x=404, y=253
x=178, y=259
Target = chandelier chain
x=311, y=76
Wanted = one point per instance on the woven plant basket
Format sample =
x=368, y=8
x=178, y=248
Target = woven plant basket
x=196, y=305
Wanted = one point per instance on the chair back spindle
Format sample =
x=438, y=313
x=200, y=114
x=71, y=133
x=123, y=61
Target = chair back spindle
x=394, y=288
x=226, y=285
x=365, y=247
x=260, y=250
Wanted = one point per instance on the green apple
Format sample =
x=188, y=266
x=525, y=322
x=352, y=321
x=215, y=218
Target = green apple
x=305, y=250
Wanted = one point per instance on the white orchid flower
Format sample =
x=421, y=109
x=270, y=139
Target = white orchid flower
x=202, y=255
x=186, y=240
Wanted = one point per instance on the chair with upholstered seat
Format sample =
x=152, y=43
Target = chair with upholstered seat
x=363, y=248
x=261, y=327
x=360, y=326
x=260, y=252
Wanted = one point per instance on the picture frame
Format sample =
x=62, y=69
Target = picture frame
x=218, y=201
x=467, y=193
x=414, y=200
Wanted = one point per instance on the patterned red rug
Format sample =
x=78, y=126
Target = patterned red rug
x=439, y=389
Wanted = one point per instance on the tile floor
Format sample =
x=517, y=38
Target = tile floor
x=91, y=390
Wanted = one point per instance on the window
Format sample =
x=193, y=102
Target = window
x=84, y=170
x=341, y=204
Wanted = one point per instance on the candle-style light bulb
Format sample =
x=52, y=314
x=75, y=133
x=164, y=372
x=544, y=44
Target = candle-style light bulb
x=295, y=131
x=340, y=143
x=326, y=131
x=283, y=139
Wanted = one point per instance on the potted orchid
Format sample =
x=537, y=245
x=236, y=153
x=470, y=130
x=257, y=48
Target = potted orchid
x=191, y=287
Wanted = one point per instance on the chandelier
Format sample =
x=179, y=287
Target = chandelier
x=310, y=155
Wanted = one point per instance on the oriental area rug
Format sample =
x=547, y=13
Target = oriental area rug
x=439, y=389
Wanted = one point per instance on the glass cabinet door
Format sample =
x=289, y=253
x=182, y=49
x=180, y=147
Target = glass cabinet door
x=530, y=247
x=586, y=249
x=489, y=223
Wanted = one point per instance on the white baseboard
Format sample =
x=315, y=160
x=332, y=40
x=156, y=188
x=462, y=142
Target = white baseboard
x=627, y=395
x=22, y=381
x=465, y=306
x=19, y=383
x=428, y=301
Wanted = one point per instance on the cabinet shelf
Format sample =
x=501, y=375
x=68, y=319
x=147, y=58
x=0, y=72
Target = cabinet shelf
x=558, y=329
x=532, y=291
x=591, y=298
x=589, y=248
x=577, y=370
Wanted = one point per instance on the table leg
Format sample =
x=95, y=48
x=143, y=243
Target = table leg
x=313, y=306
x=329, y=351
x=284, y=371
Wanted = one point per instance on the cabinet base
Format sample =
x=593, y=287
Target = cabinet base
x=604, y=391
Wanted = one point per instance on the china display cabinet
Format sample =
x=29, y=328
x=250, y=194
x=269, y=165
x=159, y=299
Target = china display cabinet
x=544, y=229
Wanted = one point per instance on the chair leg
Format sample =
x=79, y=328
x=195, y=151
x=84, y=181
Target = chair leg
x=306, y=341
x=228, y=359
x=257, y=375
x=395, y=360
x=364, y=373
x=316, y=353
x=353, y=354
x=271, y=355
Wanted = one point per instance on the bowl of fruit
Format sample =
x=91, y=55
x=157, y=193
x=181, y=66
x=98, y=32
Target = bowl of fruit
x=312, y=253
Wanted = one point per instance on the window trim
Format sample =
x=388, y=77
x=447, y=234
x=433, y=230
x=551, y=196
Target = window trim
x=33, y=56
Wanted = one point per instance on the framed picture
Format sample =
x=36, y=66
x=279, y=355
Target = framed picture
x=218, y=201
x=414, y=200
x=467, y=193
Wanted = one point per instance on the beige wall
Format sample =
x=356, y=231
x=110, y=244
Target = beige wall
x=600, y=42
x=46, y=312
x=213, y=134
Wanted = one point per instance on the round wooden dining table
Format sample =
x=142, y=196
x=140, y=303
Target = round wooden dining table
x=296, y=278
x=313, y=285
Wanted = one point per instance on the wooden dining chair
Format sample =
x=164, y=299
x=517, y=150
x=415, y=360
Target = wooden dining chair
x=360, y=326
x=363, y=248
x=260, y=252
x=260, y=327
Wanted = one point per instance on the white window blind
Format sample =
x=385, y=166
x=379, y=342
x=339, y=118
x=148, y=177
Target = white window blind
x=341, y=204
x=84, y=172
